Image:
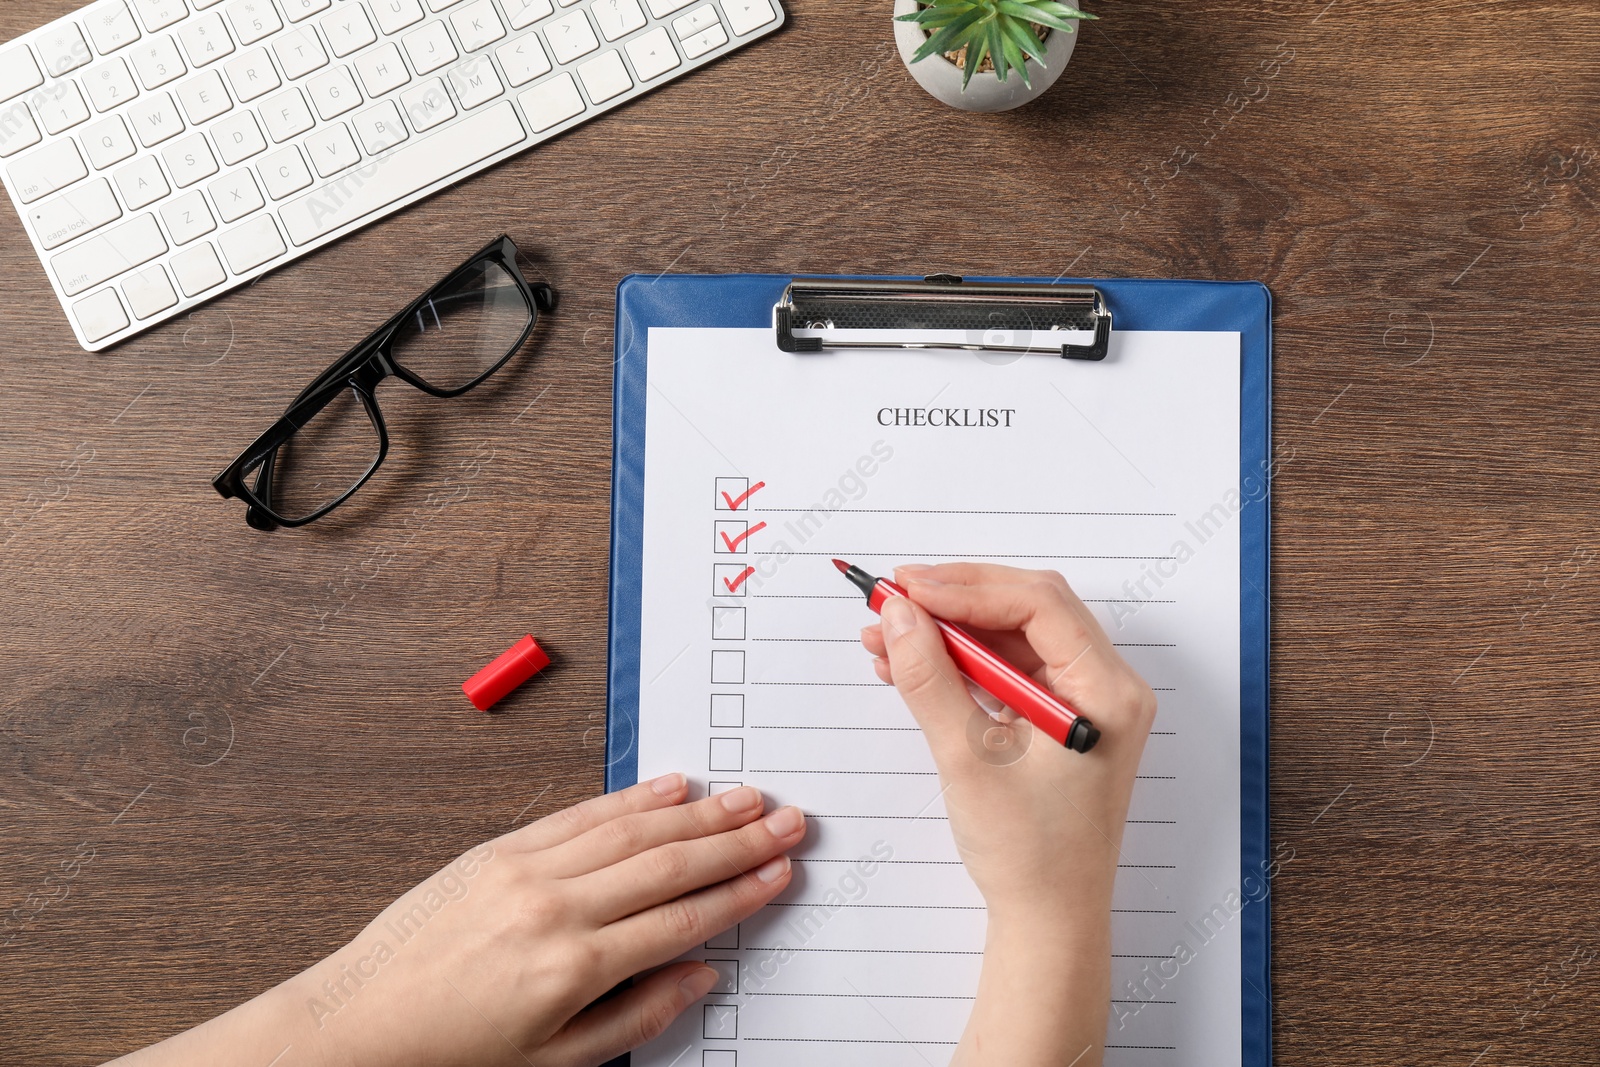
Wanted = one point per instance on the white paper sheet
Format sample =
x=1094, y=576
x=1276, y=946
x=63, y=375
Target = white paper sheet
x=1122, y=475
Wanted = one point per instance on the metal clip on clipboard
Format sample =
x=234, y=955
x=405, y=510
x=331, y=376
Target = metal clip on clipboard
x=993, y=316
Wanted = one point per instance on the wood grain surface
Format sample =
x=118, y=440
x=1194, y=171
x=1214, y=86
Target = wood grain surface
x=222, y=751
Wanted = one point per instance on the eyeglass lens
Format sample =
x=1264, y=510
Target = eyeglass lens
x=326, y=457
x=465, y=329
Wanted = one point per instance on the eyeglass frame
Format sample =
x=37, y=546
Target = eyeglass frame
x=361, y=369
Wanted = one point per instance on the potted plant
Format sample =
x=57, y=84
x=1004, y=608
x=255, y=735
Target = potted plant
x=986, y=55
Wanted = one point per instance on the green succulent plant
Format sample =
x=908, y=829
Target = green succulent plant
x=999, y=29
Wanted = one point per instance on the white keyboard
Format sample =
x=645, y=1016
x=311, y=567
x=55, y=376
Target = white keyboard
x=161, y=152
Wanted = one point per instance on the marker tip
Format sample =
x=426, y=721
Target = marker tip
x=842, y=565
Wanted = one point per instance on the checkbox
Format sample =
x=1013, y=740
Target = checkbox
x=731, y=536
x=722, y=1022
x=727, y=754
x=727, y=668
x=719, y=1057
x=727, y=624
x=727, y=709
x=727, y=975
x=729, y=938
x=730, y=579
x=731, y=493
x=713, y=788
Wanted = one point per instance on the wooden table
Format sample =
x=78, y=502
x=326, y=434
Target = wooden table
x=221, y=751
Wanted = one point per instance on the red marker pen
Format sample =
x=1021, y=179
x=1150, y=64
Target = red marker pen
x=989, y=672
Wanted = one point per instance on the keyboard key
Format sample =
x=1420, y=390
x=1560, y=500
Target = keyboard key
x=747, y=16
x=19, y=72
x=155, y=119
x=148, y=292
x=662, y=8
x=113, y=252
x=524, y=13
x=704, y=41
x=205, y=39
x=551, y=102
x=198, y=269
x=523, y=60
x=571, y=36
x=238, y=138
x=618, y=17
x=348, y=29
x=440, y=5
x=17, y=129
x=605, y=76
x=250, y=245
x=430, y=47
x=74, y=213
x=304, y=9
x=159, y=14
x=141, y=183
x=381, y=127
x=60, y=106
x=284, y=172
x=333, y=93
x=112, y=27
x=396, y=15
x=252, y=75
x=300, y=53
x=652, y=54
x=204, y=97
x=427, y=105
x=157, y=61
x=382, y=70
x=107, y=141
x=189, y=160
x=701, y=18
x=109, y=84
x=42, y=172
x=414, y=167
x=286, y=115
x=253, y=19
x=236, y=195
x=332, y=149
x=63, y=48
x=187, y=218
x=100, y=315
x=475, y=83
x=477, y=25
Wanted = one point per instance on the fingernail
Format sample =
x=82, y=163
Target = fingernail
x=912, y=568
x=926, y=583
x=869, y=631
x=698, y=982
x=785, y=822
x=742, y=799
x=667, y=784
x=773, y=869
x=898, y=616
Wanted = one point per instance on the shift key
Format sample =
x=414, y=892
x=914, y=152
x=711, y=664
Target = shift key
x=99, y=259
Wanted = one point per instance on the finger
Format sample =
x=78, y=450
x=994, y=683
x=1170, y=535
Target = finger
x=669, y=929
x=928, y=681
x=880, y=664
x=564, y=825
x=992, y=574
x=1040, y=609
x=629, y=835
x=671, y=870
x=872, y=640
x=638, y=1014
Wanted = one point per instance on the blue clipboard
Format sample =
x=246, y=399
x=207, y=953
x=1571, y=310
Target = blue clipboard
x=747, y=301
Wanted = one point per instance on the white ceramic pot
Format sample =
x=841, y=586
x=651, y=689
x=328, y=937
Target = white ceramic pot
x=985, y=92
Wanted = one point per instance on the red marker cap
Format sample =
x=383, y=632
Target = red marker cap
x=510, y=669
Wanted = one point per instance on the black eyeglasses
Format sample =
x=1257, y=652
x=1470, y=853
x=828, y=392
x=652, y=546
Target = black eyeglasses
x=332, y=437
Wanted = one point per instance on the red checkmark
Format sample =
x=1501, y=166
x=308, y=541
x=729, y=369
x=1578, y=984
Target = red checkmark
x=735, y=501
x=733, y=584
x=733, y=543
